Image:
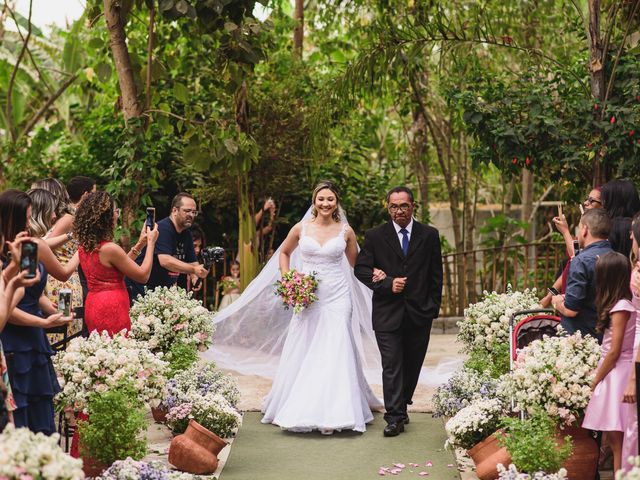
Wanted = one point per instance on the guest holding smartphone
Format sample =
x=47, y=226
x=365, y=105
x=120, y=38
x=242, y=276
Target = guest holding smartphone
x=27, y=349
x=105, y=263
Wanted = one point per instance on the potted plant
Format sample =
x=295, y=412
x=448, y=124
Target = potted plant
x=130, y=469
x=45, y=460
x=554, y=375
x=512, y=473
x=472, y=429
x=206, y=395
x=165, y=316
x=100, y=362
x=533, y=444
x=114, y=430
x=464, y=386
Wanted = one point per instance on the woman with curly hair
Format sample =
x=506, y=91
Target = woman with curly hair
x=105, y=264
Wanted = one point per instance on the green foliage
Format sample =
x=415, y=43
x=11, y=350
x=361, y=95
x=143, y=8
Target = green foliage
x=533, y=445
x=181, y=356
x=115, y=427
x=494, y=363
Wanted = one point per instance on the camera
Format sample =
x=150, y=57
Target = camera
x=151, y=218
x=29, y=258
x=211, y=255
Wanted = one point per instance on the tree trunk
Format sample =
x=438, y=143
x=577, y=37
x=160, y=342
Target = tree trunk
x=527, y=204
x=247, y=245
x=419, y=147
x=596, y=77
x=122, y=60
x=298, y=31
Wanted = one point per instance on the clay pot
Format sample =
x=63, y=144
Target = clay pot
x=487, y=455
x=159, y=413
x=92, y=467
x=196, y=450
x=583, y=461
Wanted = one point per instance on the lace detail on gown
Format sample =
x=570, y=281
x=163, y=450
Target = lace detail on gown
x=320, y=384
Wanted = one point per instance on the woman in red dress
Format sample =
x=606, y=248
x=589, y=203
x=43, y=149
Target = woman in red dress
x=105, y=264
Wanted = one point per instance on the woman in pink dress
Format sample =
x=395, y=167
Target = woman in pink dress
x=617, y=319
x=105, y=264
x=630, y=442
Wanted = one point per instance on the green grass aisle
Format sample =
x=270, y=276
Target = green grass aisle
x=264, y=452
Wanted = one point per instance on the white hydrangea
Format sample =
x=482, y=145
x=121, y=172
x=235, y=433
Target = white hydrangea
x=164, y=314
x=633, y=474
x=512, y=474
x=474, y=423
x=486, y=323
x=26, y=455
x=554, y=374
x=100, y=362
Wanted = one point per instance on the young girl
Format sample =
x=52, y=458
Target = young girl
x=230, y=286
x=617, y=319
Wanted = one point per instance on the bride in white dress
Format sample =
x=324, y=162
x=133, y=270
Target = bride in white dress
x=322, y=360
x=320, y=383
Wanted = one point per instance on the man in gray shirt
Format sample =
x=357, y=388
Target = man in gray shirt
x=577, y=305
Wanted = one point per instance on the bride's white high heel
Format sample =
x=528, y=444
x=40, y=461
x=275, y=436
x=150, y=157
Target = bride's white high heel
x=326, y=431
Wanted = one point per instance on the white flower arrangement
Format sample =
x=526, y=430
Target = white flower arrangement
x=164, y=314
x=633, y=474
x=100, y=362
x=554, y=374
x=206, y=395
x=474, y=423
x=131, y=469
x=512, y=474
x=464, y=386
x=25, y=455
x=486, y=323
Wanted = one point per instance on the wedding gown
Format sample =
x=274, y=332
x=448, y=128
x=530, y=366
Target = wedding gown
x=320, y=383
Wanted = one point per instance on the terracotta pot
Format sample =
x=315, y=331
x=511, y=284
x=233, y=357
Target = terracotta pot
x=196, y=450
x=159, y=413
x=583, y=462
x=487, y=455
x=92, y=467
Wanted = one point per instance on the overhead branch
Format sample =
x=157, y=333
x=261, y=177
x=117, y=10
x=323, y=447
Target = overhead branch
x=14, y=73
x=43, y=109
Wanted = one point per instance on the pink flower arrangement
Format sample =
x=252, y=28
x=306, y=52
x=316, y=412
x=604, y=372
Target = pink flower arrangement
x=297, y=290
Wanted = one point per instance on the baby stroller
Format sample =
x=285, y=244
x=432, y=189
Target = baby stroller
x=533, y=326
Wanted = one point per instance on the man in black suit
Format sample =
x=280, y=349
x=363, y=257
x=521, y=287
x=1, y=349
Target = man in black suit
x=405, y=302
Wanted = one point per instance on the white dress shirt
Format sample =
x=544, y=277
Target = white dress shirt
x=407, y=228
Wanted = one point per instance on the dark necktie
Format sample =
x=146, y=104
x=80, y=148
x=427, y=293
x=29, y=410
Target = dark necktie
x=405, y=241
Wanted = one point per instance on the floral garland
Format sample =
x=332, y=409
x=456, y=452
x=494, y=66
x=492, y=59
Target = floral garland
x=486, y=323
x=100, y=362
x=25, y=455
x=474, y=423
x=164, y=315
x=554, y=374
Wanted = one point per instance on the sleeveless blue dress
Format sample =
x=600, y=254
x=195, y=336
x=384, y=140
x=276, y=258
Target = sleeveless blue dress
x=33, y=379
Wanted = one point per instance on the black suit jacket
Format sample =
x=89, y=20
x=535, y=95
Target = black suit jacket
x=420, y=301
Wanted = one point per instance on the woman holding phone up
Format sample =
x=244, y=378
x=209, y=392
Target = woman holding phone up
x=105, y=264
x=28, y=353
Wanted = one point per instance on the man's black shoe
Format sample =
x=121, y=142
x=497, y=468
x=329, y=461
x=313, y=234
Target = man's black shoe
x=406, y=420
x=394, y=429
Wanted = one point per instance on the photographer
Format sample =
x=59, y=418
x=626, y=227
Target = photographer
x=174, y=253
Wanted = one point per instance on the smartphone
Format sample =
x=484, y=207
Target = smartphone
x=576, y=247
x=553, y=291
x=560, y=210
x=151, y=217
x=29, y=258
x=64, y=302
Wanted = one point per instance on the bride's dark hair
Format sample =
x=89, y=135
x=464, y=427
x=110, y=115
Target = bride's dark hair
x=330, y=186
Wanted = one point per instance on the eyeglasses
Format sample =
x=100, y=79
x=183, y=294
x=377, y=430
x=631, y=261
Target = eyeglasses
x=188, y=211
x=591, y=201
x=393, y=208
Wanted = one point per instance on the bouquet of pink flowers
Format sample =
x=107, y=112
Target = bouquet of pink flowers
x=297, y=290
